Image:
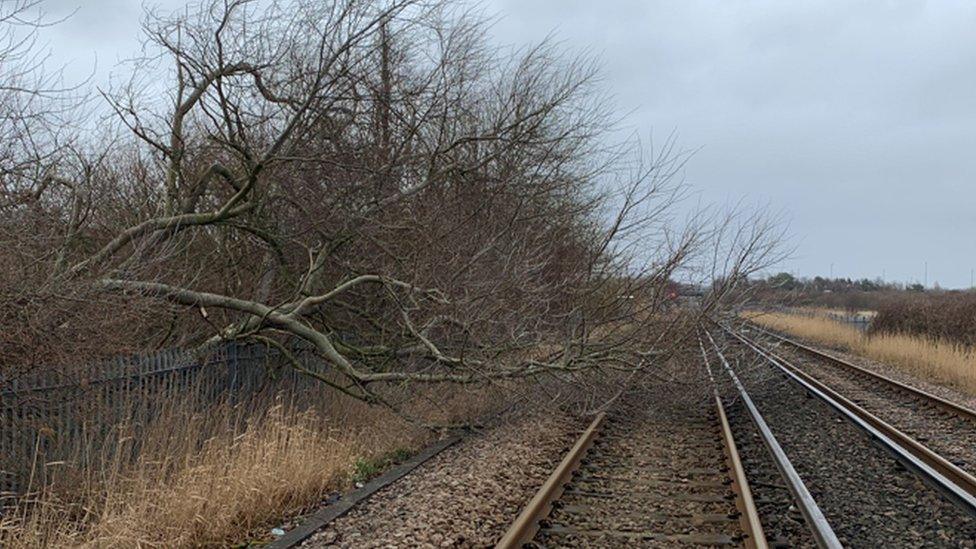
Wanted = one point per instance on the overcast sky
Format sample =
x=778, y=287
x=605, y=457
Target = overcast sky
x=856, y=119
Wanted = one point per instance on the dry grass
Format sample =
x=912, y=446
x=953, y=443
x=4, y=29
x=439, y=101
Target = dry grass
x=936, y=360
x=218, y=477
x=814, y=327
x=843, y=312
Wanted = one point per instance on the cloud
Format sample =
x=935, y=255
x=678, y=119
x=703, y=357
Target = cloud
x=856, y=117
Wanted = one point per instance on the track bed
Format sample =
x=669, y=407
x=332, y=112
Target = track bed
x=865, y=494
x=649, y=483
x=782, y=522
x=951, y=434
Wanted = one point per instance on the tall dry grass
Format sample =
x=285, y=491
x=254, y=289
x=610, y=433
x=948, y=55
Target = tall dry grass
x=219, y=476
x=936, y=360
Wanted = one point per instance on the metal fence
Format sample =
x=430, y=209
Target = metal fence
x=858, y=320
x=48, y=415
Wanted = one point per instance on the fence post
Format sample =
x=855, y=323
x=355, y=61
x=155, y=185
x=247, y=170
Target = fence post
x=233, y=365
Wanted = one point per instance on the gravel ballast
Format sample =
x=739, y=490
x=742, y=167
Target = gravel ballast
x=950, y=435
x=464, y=497
x=782, y=522
x=865, y=494
x=649, y=482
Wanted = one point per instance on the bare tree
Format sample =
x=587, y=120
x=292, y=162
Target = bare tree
x=373, y=182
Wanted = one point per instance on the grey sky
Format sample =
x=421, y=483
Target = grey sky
x=857, y=119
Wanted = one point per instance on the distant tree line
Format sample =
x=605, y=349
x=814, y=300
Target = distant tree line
x=787, y=282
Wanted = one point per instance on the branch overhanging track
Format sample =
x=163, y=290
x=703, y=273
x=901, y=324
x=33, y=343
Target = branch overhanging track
x=877, y=484
x=645, y=482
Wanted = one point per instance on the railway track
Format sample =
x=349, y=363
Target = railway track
x=874, y=378
x=866, y=476
x=944, y=427
x=645, y=482
x=940, y=437
x=831, y=471
x=818, y=530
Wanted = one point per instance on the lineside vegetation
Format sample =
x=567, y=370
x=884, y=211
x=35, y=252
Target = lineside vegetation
x=936, y=360
x=221, y=475
x=432, y=218
x=947, y=316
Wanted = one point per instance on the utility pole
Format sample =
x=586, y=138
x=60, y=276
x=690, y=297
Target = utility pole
x=925, y=284
x=831, y=270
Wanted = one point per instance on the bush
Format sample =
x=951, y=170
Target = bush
x=948, y=316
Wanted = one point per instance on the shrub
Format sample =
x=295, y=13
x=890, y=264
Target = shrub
x=947, y=316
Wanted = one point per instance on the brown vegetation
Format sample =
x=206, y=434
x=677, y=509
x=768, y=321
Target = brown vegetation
x=783, y=289
x=370, y=179
x=370, y=182
x=367, y=178
x=221, y=474
x=935, y=360
x=949, y=316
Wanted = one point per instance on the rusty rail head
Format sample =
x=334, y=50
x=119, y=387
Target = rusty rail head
x=755, y=538
x=527, y=524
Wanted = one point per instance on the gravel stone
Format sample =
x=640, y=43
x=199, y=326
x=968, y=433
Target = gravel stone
x=948, y=434
x=866, y=495
x=783, y=524
x=465, y=496
x=649, y=482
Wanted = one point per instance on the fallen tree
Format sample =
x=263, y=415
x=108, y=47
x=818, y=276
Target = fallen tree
x=370, y=179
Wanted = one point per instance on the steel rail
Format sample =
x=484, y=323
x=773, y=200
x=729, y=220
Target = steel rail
x=948, y=404
x=822, y=532
x=527, y=524
x=947, y=478
x=749, y=520
x=754, y=537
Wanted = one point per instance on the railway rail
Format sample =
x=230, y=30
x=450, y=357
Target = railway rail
x=951, y=478
x=945, y=427
x=821, y=531
x=645, y=482
x=876, y=379
x=863, y=494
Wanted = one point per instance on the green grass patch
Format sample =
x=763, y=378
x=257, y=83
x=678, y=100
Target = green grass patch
x=365, y=469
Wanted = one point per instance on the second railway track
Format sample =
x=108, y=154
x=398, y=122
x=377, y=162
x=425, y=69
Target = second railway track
x=867, y=496
x=947, y=428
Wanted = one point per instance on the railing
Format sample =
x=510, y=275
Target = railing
x=48, y=415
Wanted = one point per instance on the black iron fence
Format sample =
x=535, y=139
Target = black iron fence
x=59, y=414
